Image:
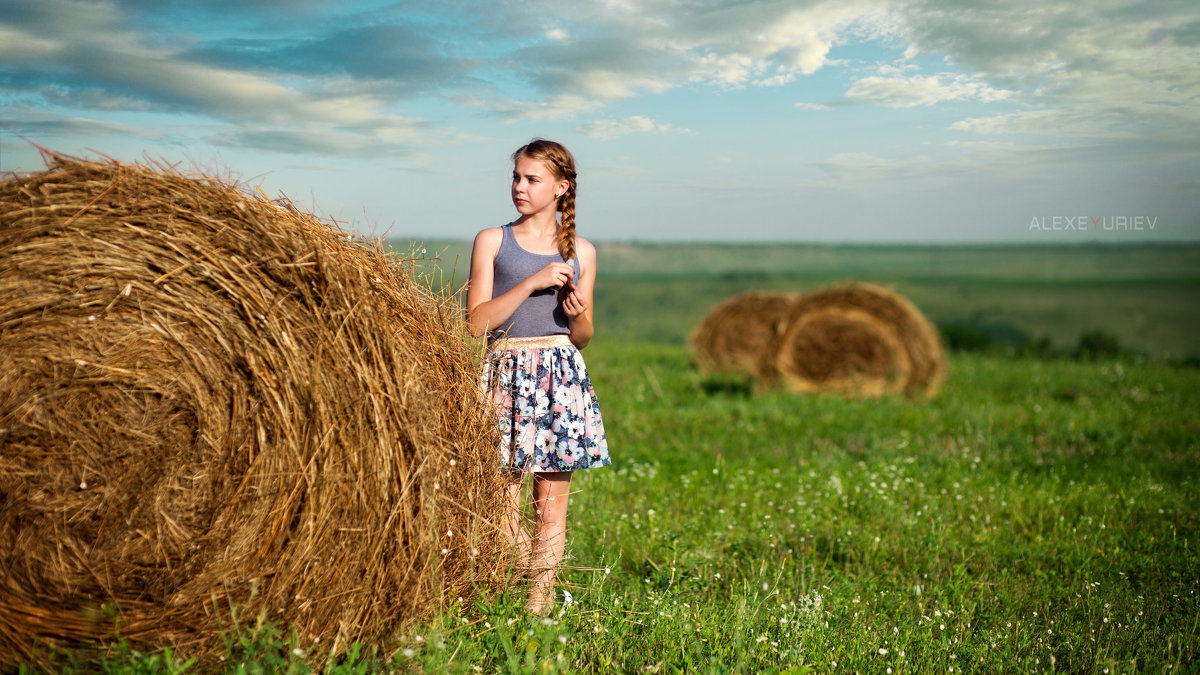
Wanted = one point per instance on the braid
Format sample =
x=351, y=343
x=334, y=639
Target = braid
x=562, y=163
x=566, y=234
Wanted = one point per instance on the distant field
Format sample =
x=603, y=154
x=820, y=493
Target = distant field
x=1145, y=295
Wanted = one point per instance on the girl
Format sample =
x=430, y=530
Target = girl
x=530, y=291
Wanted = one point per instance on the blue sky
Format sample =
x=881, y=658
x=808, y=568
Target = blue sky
x=767, y=120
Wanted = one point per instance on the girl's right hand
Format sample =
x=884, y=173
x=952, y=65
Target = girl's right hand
x=554, y=275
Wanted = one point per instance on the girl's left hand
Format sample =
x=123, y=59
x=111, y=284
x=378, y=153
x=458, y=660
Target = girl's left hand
x=573, y=303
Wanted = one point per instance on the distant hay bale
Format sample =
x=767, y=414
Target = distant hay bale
x=842, y=351
x=212, y=401
x=733, y=335
x=858, y=339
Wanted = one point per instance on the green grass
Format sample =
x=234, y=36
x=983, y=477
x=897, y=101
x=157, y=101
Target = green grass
x=1036, y=516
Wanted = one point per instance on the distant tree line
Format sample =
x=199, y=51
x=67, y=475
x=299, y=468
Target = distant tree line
x=1093, y=345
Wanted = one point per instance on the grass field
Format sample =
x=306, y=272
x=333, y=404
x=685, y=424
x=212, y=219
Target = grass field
x=1036, y=516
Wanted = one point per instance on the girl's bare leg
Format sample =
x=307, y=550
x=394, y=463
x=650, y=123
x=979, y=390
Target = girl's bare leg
x=514, y=526
x=550, y=494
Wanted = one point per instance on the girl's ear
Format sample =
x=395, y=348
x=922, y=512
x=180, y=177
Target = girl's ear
x=563, y=186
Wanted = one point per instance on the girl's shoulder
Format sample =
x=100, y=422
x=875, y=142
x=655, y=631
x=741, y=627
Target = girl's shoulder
x=488, y=240
x=492, y=232
x=488, y=234
x=584, y=248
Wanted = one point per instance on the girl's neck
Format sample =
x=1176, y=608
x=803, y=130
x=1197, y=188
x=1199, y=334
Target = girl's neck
x=536, y=236
x=538, y=226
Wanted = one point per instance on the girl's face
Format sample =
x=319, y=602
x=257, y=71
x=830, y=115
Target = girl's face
x=535, y=188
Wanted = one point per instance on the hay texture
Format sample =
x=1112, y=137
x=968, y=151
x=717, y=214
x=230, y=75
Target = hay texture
x=213, y=403
x=857, y=339
x=842, y=351
x=732, y=337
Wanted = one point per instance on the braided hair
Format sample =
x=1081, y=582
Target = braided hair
x=560, y=161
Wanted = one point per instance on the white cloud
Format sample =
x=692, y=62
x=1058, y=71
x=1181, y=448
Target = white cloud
x=553, y=108
x=609, y=84
x=1110, y=70
x=811, y=106
x=41, y=125
x=1170, y=131
x=123, y=64
x=17, y=44
x=223, y=93
x=864, y=165
x=1009, y=154
x=729, y=70
x=802, y=38
x=106, y=66
x=918, y=90
x=1029, y=121
x=622, y=127
x=1120, y=69
x=772, y=43
x=651, y=46
x=316, y=141
x=469, y=100
x=894, y=69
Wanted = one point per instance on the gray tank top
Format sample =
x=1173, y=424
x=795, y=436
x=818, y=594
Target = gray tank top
x=540, y=314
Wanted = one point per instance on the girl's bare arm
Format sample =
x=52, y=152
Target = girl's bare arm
x=578, y=303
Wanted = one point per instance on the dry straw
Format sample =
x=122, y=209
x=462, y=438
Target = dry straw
x=732, y=337
x=214, y=405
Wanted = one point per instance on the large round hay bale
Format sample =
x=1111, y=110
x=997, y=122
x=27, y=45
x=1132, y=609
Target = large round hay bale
x=874, y=342
x=212, y=403
x=732, y=337
x=842, y=351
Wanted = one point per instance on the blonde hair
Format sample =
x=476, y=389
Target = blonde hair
x=560, y=161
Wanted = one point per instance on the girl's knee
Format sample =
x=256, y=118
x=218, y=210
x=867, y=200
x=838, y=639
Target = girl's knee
x=552, y=511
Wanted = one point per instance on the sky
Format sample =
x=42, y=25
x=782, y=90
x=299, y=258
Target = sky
x=875, y=121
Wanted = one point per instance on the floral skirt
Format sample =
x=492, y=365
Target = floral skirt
x=547, y=410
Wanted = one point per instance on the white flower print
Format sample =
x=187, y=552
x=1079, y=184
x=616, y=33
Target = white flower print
x=549, y=419
x=527, y=387
x=545, y=439
x=575, y=428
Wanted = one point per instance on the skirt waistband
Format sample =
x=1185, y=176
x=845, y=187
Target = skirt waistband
x=539, y=342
